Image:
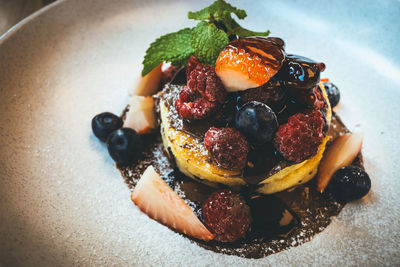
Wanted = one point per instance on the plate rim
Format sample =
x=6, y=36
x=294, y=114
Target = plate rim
x=15, y=28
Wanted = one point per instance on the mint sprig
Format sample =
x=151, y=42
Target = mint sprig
x=234, y=28
x=208, y=41
x=220, y=12
x=217, y=11
x=173, y=47
x=205, y=41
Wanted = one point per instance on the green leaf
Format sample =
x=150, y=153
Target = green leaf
x=217, y=11
x=173, y=47
x=208, y=41
x=220, y=12
x=234, y=28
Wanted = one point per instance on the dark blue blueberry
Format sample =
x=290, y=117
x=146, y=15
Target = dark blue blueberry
x=125, y=146
x=299, y=73
x=257, y=122
x=104, y=124
x=333, y=93
x=350, y=183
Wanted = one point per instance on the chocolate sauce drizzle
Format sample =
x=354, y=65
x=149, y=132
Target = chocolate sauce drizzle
x=256, y=46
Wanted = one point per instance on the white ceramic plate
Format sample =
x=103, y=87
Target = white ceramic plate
x=62, y=201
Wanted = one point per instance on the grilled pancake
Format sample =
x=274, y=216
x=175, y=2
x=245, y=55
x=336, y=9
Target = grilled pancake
x=192, y=158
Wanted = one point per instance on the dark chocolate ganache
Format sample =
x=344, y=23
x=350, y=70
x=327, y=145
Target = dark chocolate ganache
x=279, y=221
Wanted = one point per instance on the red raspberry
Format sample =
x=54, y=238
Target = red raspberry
x=228, y=147
x=168, y=74
x=193, y=62
x=319, y=101
x=191, y=105
x=226, y=215
x=300, y=138
x=203, y=94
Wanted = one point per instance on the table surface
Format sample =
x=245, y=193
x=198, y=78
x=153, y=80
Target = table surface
x=13, y=11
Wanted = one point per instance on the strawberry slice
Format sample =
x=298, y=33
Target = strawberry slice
x=249, y=62
x=149, y=84
x=342, y=152
x=155, y=198
x=141, y=115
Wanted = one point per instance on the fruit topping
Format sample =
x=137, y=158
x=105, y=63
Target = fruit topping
x=228, y=147
x=257, y=122
x=141, y=116
x=249, y=62
x=350, y=183
x=169, y=73
x=149, y=84
x=104, y=124
x=342, y=152
x=155, y=198
x=300, y=138
x=202, y=95
x=319, y=99
x=191, y=105
x=271, y=94
x=125, y=146
x=204, y=80
x=227, y=215
x=192, y=64
x=300, y=75
x=333, y=93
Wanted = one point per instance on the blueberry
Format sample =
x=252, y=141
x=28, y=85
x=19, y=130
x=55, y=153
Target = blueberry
x=333, y=93
x=350, y=183
x=125, y=146
x=257, y=122
x=104, y=124
x=299, y=73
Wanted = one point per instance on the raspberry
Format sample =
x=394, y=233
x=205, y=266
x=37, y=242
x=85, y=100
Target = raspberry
x=204, y=80
x=228, y=147
x=168, y=74
x=191, y=105
x=300, y=138
x=226, y=215
x=319, y=101
x=203, y=94
x=193, y=62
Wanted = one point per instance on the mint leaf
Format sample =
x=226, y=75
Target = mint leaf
x=173, y=47
x=220, y=12
x=217, y=11
x=234, y=28
x=208, y=41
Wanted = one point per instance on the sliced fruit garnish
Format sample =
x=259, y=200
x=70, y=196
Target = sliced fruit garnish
x=342, y=152
x=149, y=84
x=155, y=198
x=141, y=115
x=249, y=62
